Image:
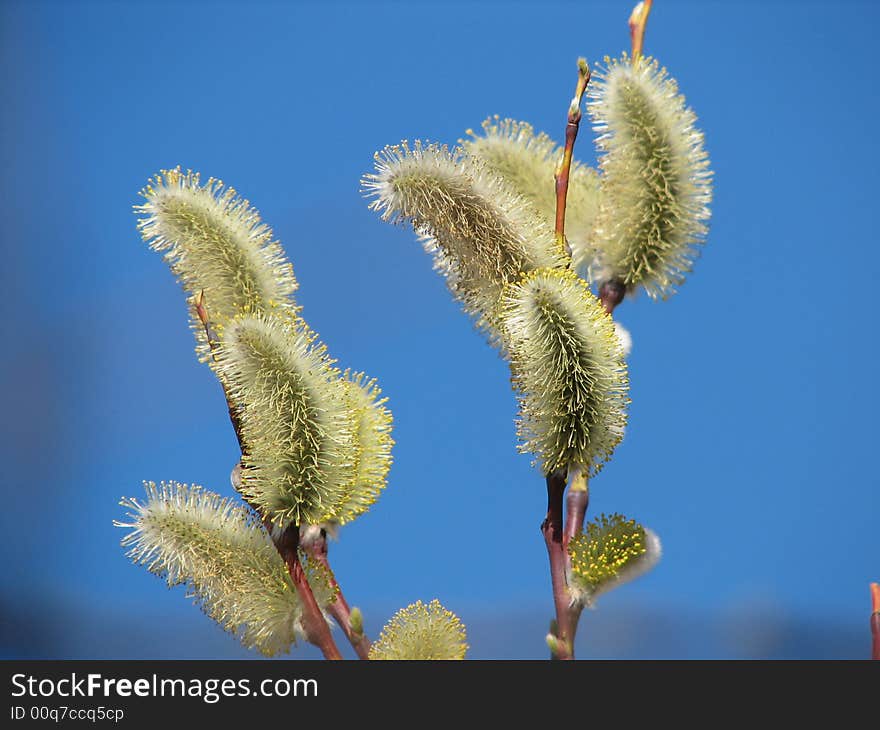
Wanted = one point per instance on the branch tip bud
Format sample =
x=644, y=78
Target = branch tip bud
x=638, y=21
x=356, y=621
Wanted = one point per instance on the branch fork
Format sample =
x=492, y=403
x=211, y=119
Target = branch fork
x=287, y=542
x=557, y=536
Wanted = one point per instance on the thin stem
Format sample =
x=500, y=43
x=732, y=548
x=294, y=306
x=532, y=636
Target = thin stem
x=564, y=168
x=552, y=529
x=214, y=343
x=339, y=609
x=638, y=21
x=314, y=624
x=875, y=620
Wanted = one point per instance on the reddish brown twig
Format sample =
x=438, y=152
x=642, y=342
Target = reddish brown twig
x=314, y=624
x=339, y=609
x=552, y=529
x=564, y=169
x=875, y=620
x=556, y=537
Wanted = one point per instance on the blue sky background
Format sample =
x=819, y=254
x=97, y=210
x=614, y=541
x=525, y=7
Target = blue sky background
x=753, y=431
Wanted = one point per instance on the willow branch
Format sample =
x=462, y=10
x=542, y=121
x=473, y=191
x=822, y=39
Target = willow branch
x=564, y=169
x=339, y=609
x=552, y=529
x=314, y=624
x=611, y=293
x=557, y=536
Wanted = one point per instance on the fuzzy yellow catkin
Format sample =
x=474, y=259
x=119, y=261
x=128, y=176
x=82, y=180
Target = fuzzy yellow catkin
x=298, y=467
x=371, y=444
x=421, y=631
x=568, y=368
x=191, y=536
x=526, y=161
x=656, y=182
x=481, y=234
x=611, y=550
x=214, y=241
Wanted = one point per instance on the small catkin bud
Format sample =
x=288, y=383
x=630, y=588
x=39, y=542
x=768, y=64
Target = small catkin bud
x=297, y=467
x=421, y=632
x=215, y=243
x=611, y=551
x=527, y=162
x=356, y=621
x=656, y=182
x=481, y=234
x=191, y=536
x=568, y=369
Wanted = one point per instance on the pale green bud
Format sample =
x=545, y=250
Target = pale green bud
x=356, y=621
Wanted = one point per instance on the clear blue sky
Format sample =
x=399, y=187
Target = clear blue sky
x=753, y=424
